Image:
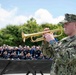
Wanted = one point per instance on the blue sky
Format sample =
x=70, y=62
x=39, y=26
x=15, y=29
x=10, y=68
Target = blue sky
x=19, y=11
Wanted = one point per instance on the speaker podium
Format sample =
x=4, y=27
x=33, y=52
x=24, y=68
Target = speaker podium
x=25, y=66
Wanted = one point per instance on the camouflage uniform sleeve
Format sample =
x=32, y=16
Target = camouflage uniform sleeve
x=50, y=50
x=47, y=49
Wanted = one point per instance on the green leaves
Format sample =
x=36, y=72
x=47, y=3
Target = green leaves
x=11, y=35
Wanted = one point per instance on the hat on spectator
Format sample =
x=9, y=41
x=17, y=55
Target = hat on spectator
x=69, y=18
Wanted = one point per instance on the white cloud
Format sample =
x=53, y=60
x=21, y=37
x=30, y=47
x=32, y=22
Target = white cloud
x=41, y=16
x=18, y=20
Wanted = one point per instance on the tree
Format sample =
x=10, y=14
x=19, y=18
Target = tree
x=11, y=35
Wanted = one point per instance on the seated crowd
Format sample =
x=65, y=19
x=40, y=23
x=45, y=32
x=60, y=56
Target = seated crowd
x=21, y=53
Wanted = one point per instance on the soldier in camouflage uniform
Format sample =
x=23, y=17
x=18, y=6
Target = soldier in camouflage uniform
x=63, y=52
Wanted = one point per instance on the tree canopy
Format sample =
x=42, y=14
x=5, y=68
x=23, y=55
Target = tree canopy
x=11, y=35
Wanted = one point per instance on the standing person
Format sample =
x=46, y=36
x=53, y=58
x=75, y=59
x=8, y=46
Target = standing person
x=64, y=51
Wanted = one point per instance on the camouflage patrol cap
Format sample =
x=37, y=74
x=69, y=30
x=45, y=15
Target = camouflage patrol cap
x=69, y=18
